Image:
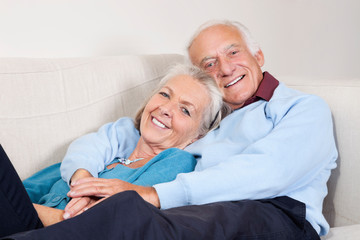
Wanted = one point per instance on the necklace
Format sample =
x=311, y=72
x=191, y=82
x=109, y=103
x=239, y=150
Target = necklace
x=127, y=161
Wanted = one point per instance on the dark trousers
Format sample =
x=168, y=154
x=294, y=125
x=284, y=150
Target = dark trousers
x=127, y=216
x=17, y=213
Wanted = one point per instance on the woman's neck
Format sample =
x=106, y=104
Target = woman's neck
x=144, y=150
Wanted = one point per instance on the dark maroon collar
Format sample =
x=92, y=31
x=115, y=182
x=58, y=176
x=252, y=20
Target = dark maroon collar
x=265, y=90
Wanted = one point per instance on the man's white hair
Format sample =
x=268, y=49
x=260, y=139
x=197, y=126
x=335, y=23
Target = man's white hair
x=251, y=43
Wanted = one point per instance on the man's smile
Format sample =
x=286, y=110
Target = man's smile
x=235, y=81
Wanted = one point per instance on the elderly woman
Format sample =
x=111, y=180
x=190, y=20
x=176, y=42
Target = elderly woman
x=184, y=108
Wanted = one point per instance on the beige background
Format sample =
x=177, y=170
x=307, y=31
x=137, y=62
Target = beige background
x=304, y=38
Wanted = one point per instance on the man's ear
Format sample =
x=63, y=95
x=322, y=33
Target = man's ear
x=195, y=139
x=259, y=56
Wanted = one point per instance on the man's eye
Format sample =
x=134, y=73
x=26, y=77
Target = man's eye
x=209, y=65
x=164, y=94
x=234, y=52
x=184, y=110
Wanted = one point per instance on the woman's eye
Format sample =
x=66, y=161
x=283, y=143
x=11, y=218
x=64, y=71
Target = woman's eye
x=184, y=110
x=164, y=94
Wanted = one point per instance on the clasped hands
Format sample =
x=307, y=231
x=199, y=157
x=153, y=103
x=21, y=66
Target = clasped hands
x=89, y=191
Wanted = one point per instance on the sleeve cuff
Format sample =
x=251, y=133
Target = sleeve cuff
x=67, y=173
x=171, y=194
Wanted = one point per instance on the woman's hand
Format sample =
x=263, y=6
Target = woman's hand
x=80, y=204
x=80, y=173
x=103, y=188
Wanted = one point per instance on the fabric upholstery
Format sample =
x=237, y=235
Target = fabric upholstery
x=342, y=95
x=47, y=103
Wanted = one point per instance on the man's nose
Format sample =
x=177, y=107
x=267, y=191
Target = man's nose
x=226, y=67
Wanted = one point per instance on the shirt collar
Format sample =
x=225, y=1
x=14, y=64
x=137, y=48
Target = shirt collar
x=265, y=90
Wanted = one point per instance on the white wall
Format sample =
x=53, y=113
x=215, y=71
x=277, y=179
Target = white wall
x=317, y=38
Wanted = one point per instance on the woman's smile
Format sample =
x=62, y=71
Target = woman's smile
x=159, y=123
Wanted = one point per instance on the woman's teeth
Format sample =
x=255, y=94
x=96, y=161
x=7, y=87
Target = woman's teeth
x=157, y=123
x=235, y=81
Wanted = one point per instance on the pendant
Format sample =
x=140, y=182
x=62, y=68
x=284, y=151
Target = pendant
x=126, y=161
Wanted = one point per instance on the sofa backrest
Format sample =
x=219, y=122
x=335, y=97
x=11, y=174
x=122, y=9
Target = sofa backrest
x=47, y=103
x=341, y=205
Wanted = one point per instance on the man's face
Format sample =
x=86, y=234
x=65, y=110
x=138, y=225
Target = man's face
x=221, y=51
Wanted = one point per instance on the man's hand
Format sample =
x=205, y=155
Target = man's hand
x=103, y=188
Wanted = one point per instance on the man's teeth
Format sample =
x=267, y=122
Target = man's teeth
x=235, y=81
x=157, y=123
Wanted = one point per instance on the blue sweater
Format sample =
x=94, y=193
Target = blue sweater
x=281, y=147
x=48, y=189
x=94, y=151
x=284, y=147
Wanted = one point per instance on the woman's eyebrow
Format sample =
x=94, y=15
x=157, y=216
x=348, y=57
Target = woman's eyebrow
x=189, y=104
x=182, y=101
x=169, y=89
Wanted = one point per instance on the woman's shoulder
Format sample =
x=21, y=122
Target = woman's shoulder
x=176, y=157
x=175, y=152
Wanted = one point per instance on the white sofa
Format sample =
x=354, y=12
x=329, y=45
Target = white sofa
x=47, y=103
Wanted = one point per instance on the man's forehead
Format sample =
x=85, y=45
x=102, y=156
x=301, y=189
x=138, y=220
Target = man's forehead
x=214, y=40
x=223, y=49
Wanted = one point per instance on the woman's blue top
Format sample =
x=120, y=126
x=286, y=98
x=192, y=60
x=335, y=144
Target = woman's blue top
x=47, y=188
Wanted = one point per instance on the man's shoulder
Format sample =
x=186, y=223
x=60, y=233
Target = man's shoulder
x=288, y=99
x=284, y=93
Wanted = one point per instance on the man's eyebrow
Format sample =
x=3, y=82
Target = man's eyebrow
x=206, y=59
x=231, y=46
x=225, y=49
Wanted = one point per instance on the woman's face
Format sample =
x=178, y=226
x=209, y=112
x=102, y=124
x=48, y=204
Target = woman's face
x=173, y=115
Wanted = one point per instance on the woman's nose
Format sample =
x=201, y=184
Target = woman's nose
x=167, y=109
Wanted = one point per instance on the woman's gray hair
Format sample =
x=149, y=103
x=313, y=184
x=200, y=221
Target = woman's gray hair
x=212, y=114
x=251, y=43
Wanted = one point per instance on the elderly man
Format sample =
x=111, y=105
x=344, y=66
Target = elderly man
x=261, y=175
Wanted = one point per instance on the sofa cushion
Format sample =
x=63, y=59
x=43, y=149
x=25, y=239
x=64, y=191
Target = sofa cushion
x=350, y=232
